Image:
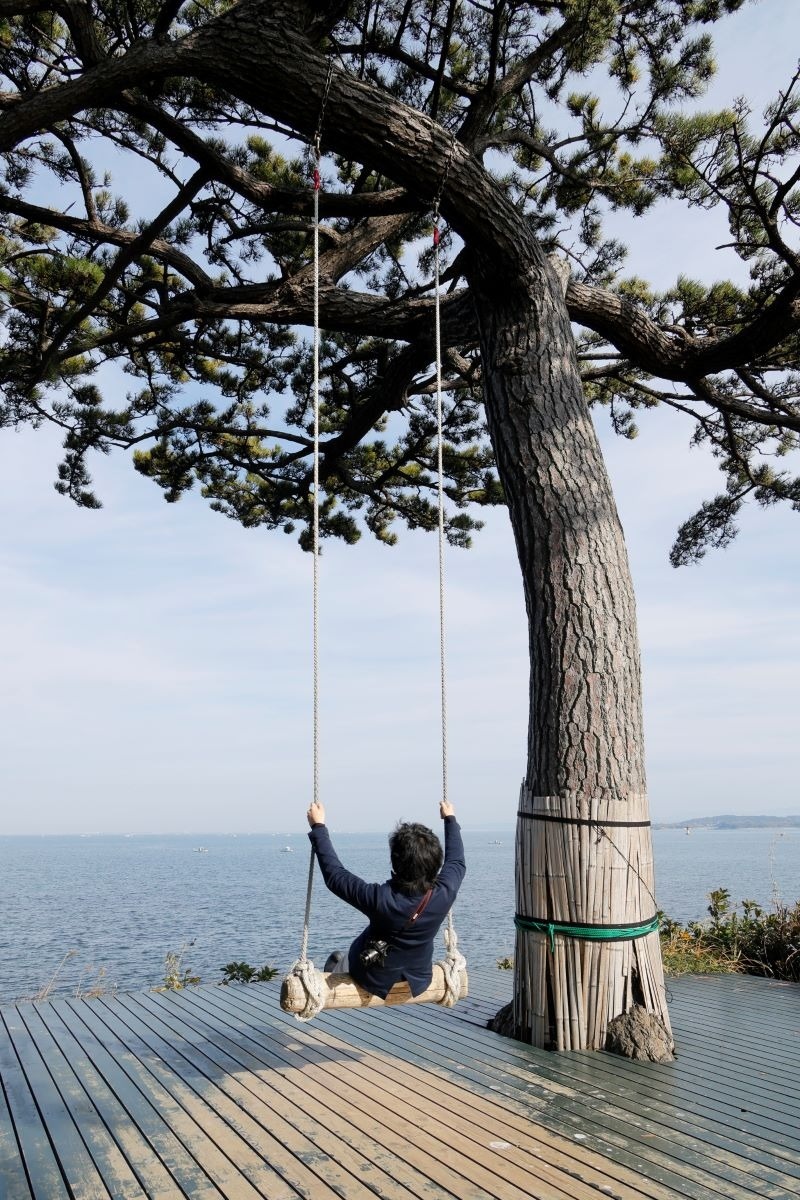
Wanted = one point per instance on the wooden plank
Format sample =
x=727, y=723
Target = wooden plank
x=210, y=1161
x=730, y=1166
x=316, y=1111
x=239, y=1088
x=726, y=996
x=638, y=1082
x=476, y=1011
x=661, y=1176
x=420, y=1101
x=750, y=1113
x=719, y=988
x=739, y=1046
x=331, y=1074
x=13, y=1180
x=358, y=1136
x=420, y=1097
x=784, y=1173
x=774, y=1034
x=77, y=1165
x=371, y=1104
x=761, y=1020
x=701, y=1086
x=145, y=1164
x=761, y=1098
x=41, y=1164
x=117, y=1174
x=588, y=1073
x=261, y=1124
x=222, y=1155
x=736, y=1054
x=145, y=1113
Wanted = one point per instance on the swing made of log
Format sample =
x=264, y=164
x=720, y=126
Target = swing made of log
x=305, y=990
x=341, y=991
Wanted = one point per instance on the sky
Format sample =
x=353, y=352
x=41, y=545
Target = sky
x=156, y=659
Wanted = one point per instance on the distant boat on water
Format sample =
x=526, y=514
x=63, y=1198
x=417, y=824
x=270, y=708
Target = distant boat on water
x=495, y=843
x=287, y=850
x=201, y=850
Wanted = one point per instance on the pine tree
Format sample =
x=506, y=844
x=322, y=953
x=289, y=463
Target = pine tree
x=524, y=123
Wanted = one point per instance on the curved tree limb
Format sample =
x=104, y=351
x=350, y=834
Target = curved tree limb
x=638, y=337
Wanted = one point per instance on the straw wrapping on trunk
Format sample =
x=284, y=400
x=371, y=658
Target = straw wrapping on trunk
x=587, y=943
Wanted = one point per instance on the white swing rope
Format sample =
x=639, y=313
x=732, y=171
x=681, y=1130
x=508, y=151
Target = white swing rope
x=304, y=968
x=454, y=964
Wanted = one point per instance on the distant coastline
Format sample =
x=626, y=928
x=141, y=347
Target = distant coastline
x=732, y=822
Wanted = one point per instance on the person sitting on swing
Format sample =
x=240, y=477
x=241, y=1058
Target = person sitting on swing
x=404, y=913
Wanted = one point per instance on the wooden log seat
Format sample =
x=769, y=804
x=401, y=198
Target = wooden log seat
x=340, y=991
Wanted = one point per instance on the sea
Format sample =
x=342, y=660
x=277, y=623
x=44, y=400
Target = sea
x=105, y=912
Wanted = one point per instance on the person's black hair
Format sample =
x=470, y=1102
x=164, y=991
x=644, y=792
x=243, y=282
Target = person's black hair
x=417, y=857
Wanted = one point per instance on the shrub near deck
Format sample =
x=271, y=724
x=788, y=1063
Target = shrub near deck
x=752, y=942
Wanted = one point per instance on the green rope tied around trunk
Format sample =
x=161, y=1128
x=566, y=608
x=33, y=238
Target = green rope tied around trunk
x=591, y=933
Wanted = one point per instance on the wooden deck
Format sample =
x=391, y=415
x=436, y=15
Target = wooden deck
x=214, y=1093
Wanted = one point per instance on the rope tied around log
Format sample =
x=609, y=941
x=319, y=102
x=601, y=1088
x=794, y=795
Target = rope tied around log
x=312, y=981
x=453, y=966
x=303, y=968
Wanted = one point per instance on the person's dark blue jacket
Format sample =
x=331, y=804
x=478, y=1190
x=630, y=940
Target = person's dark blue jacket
x=387, y=909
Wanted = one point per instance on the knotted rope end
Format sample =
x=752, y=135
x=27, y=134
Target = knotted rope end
x=313, y=986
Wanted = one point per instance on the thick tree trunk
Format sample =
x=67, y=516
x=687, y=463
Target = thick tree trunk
x=583, y=838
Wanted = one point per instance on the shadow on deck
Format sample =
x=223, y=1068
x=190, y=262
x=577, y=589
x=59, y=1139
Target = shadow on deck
x=214, y=1094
